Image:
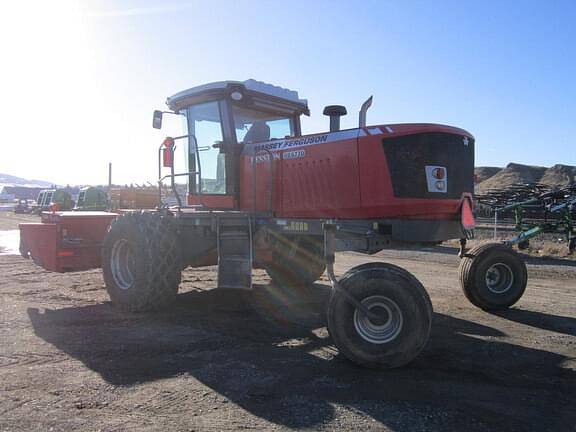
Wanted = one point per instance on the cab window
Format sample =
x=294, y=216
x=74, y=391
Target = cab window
x=257, y=126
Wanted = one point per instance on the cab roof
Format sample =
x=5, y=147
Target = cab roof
x=256, y=93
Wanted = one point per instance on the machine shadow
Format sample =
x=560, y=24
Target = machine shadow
x=541, y=320
x=549, y=261
x=271, y=356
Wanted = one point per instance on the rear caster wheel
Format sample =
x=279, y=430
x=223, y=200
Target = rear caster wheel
x=401, y=316
x=492, y=276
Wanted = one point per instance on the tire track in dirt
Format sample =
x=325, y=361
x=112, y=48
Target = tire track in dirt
x=31, y=359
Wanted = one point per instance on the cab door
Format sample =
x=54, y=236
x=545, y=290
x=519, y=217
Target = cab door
x=210, y=157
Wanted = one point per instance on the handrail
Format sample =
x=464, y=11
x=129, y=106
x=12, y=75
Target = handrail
x=178, y=175
x=172, y=175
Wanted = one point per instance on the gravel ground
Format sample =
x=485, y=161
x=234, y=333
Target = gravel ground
x=220, y=361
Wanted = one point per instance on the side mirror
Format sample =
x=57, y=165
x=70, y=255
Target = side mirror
x=157, y=120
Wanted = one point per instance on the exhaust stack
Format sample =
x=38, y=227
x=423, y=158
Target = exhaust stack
x=362, y=115
x=335, y=112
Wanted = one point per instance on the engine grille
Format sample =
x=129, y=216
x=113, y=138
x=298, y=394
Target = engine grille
x=408, y=156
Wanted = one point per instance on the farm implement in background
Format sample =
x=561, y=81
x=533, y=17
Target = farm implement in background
x=536, y=209
x=53, y=199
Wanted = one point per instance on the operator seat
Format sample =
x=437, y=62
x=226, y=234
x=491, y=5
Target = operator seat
x=258, y=132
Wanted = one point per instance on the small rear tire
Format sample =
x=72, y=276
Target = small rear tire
x=492, y=276
x=401, y=327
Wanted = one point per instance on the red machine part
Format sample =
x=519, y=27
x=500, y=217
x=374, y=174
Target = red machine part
x=66, y=241
x=168, y=152
x=345, y=176
x=468, y=221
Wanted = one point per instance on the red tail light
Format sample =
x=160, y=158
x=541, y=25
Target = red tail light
x=439, y=173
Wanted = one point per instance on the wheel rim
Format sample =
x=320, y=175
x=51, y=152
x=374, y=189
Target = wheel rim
x=122, y=263
x=499, y=278
x=386, y=323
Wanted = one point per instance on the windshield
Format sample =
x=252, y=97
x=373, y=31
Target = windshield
x=256, y=126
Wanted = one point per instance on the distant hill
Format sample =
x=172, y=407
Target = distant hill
x=559, y=175
x=483, y=173
x=499, y=178
x=10, y=180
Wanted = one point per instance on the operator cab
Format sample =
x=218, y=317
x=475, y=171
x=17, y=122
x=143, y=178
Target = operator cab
x=220, y=118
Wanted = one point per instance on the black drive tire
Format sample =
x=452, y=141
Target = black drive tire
x=492, y=276
x=141, y=262
x=302, y=266
x=384, y=287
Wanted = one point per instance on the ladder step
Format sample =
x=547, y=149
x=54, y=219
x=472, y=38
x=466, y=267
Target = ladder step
x=235, y=252
x=235, y=246
x=235, y=274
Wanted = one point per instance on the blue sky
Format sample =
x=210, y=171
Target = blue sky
x=85, y=76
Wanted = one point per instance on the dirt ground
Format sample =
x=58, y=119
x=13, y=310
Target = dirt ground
x=10, y=220
x=219, y=361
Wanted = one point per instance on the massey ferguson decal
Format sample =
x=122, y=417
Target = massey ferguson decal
x=304, y=141
x=281, y=145
x=262, y=152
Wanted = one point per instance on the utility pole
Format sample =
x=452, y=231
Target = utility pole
x=109, y=181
